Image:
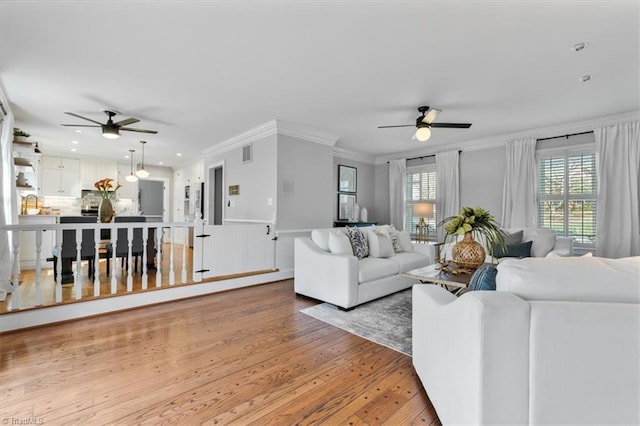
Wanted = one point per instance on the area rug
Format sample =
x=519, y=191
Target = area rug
x=386, y=321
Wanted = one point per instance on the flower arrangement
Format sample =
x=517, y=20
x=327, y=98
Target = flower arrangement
x=475, y=220
x=106, y=189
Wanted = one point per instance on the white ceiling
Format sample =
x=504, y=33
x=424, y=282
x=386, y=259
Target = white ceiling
x=201, y=72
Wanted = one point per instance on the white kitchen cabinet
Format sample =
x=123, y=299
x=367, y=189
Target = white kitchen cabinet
x=129, y=190
x=60, y=177
x=94, y=169
x=28, y=242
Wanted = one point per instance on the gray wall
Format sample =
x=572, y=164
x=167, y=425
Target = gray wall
x=304, y=184
x=257, y=180
x=365, y=186
x=481, y=179
x=381, y=199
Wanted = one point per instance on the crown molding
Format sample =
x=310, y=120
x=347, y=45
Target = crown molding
x=501, y=140
x=271, y=128
x=354, y=155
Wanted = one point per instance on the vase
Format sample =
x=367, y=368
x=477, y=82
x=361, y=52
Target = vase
x=468, y=253
x=105, y=211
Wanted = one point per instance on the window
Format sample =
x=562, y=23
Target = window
x=567, y=190
x=421, y=187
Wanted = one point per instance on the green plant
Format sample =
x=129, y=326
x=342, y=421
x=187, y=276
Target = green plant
x=20, y=132
x=477, y=221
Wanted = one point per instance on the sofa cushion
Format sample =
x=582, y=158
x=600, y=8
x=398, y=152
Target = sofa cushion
x=409, y=261
x=581, y=279
x=321, y=238
x=380, y=244
x=374, y=268
x=404, y=239
x=543, y=240
x=358, y=242
x=339, y=243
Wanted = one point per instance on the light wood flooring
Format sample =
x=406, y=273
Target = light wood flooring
x=244, y=356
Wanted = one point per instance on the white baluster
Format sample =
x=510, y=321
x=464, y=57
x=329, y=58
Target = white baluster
x=59, y=265
x=14, y=301
x=114, y=260
x=159, y=256
x=172, y=275
x=129, y=256
x=38, y=298
x=77, y=275
x=145, y=236
x=185, y=247
x=96, y=265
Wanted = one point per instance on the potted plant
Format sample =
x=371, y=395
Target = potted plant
x=469, y=253
x=107, y=192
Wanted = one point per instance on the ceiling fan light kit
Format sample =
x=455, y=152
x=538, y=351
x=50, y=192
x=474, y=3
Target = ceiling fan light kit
x=423, y=133
x=110, y=132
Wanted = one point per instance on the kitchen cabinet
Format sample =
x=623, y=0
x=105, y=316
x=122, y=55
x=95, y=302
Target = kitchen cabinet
x=129, y=190
x=60, y=177
x=28, y=241
x=94, y=169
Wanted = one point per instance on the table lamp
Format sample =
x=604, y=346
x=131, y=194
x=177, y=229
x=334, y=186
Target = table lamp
x=422, y=210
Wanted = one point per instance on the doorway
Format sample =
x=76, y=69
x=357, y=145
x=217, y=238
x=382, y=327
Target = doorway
x=216, y=185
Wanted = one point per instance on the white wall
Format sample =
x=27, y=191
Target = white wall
x=365, y=186
x=304, y=184
x=481, y=179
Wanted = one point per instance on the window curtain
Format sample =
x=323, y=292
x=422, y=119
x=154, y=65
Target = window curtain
x=447, y=187
x=519, y=192
x=397, y=184
x=8, y=210
x=618, y=220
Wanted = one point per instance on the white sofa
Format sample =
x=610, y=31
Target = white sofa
x=344, y=280
x=559, y=343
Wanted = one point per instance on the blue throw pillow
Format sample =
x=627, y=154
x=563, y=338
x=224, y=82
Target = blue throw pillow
x=484, y=278
x=514, y=250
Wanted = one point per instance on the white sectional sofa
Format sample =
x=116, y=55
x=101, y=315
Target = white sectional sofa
x=343, y=279
x=558, y=343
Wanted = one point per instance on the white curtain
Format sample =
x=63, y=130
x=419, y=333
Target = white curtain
x=618, y=219
x=519, y=192
x=8, y=210
x=397, y=184
x=447, y=187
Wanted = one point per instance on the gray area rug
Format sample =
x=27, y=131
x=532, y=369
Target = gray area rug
x=386, y=321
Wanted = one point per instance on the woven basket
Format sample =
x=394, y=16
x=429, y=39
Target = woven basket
x=468, y=253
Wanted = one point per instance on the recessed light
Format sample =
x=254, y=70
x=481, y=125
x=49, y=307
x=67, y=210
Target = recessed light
x=78, y=131
x=73, y=150
x=161, y=163
x=179, y=154
x=587, y=77
x=74, y=142
x=126, y=156
x=578, y=47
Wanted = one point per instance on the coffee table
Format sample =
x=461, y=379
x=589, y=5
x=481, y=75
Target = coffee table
x=432, y=274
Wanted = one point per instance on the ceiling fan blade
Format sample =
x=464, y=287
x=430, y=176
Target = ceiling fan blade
x=139, y=130
x=399, y=125
x=80, y=125
x=126, y=122
x=431, y=115
x=452, y=125
x=84, y=118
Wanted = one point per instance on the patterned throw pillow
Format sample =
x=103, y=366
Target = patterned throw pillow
x=358, y=243
x=395, y=239
x=484, y=278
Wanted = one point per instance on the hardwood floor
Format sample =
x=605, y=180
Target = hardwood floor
x=245, y=356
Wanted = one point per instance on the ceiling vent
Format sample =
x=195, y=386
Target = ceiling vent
x=247, y=153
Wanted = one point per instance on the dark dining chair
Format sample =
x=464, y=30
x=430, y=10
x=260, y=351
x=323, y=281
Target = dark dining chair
x=68, y=251
x=137, y=244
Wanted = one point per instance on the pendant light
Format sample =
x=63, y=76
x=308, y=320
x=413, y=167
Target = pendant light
x=131, y=177
x=142, y=172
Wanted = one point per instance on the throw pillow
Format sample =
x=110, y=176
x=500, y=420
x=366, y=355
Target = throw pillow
x=484, y=278
x=404, y=239
x=393, y=233
x=380, y=243
x=543, y=241
x=339, y=243
x=358, y=243
x=514, y=250
x=509, y=239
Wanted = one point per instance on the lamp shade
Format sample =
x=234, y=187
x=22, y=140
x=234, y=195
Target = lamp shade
x=423, y=133
x=142, y=173
x=423, y=210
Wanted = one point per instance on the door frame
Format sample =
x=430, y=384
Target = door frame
x=207, y=183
